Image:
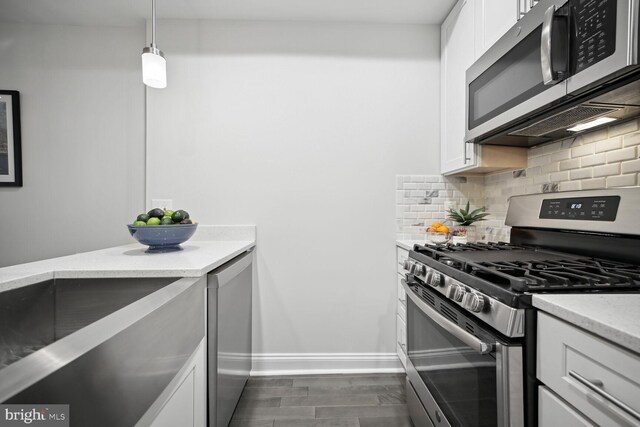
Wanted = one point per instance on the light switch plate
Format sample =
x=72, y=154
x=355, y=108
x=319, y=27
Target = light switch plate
x=162, y=203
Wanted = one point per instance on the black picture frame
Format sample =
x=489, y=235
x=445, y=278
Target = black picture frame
x=10, y=139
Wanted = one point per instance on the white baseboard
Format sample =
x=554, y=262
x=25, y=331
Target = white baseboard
x=324, y=363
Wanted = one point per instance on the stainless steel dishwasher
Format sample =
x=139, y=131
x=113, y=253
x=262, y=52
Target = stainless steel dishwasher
x=229, y=336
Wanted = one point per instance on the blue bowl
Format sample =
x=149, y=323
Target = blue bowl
x=162, y=238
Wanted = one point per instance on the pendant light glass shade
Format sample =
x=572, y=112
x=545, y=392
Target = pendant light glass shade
x=154, y=66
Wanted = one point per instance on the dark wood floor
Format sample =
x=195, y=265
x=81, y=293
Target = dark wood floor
x=323, y=401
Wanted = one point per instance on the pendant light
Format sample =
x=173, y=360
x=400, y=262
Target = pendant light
x=154, y=66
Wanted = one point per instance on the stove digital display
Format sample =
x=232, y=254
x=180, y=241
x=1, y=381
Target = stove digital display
x=584, y=208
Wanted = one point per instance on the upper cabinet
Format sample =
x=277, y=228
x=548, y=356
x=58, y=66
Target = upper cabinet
x=470, y=29
x=493, y=19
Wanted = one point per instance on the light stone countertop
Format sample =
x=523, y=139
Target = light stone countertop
x=615, y=317
x=198, y=258
x=408, y=244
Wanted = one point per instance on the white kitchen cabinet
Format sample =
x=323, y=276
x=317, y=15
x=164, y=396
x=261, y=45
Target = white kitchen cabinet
x=457, y=53
x=594, y=376
x=183, y=402
x=469, y=30
x=493, y=19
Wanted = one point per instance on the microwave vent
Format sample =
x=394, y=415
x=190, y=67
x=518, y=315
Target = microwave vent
x=563, y=120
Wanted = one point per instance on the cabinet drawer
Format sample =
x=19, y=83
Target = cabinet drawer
x=402, y=300
x=598, y=378
x=401, y=256
x=553, y=412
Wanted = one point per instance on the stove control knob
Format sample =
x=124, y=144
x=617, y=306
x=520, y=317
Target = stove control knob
x=475, y=302
x=406, y=264
x=456, y=292
x=421, y=270
x=436, y=279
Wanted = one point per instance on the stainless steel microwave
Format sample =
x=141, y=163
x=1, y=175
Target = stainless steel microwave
x=565, y=67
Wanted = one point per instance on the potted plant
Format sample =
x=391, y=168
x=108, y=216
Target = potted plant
x=465, y=231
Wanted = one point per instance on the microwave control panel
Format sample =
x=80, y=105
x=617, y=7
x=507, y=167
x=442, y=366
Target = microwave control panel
x=595, y=31
x=584, y=208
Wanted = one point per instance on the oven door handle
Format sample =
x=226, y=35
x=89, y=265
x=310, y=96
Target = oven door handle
x=464, y=336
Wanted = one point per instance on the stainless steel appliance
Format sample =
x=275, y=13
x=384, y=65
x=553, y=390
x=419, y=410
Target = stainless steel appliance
x=566, y=62
x=470, y=324
x=229, y=336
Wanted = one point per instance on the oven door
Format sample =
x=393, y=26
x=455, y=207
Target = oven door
x=464, y=376
x=507, y=82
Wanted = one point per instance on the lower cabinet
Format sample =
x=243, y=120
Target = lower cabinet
x=401, y=310
x=596, y=378
x=183, y=402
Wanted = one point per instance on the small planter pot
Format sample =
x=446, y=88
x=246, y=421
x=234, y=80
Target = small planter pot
x=459, y=240
x=464, y=234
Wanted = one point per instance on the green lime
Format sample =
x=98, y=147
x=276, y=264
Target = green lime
x=139, y=223
x=185, y=214
x=178, y=216
x=166, y=221
x=143, y=218
x=168, y=212
x=156, y=213
x=153, y=221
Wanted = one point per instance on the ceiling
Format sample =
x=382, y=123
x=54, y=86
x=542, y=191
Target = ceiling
x=134, y=12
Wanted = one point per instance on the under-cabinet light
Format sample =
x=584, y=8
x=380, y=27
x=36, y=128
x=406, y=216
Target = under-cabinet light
x=591, y=124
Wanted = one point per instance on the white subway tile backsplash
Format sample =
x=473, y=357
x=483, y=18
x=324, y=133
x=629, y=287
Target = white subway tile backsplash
x=622, y=180
x=606, y=170
x=539, y=160
x=598, y=159
x=609, y=144
x=593, y=184
x=570, y=186
x=541, y=179
x=631, y=139
x=581, y=173
x=620, y=155
x=583, y=150
x=551, y=167
x=632, y=166
x=598, y=135
x=559, y=176
x=563, y=154
x=569, y=164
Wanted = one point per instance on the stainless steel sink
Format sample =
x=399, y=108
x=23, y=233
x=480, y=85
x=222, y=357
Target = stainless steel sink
x=106, y=347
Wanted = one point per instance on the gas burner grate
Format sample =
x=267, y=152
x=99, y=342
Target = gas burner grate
x=530, y=269
x=491, y=246
x=574, y=274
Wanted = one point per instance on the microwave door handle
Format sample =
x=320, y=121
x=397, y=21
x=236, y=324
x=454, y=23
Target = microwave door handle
x=545, y=46
x=464, y=336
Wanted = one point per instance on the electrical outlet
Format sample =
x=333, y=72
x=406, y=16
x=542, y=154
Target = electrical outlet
x=162, y=203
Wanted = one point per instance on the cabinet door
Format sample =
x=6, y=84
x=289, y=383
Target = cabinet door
x=493, y=19
x=457, y=54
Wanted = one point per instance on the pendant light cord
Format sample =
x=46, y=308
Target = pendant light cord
x=153, y=23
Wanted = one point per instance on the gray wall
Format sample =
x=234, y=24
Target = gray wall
x=82, y=138
x=300, y=128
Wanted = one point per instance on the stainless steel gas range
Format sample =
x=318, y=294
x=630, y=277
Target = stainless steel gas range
x=470, y=324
